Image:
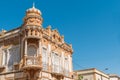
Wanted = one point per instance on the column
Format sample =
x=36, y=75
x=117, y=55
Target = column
x=49, y=57
x=69, y=63
x=39, y=49
x=25, y=52
x=21, y=47
x=62, y=64
x=25, y=47
x=7, y=58
x=3, y=59
x=39, y=52
x=0, y=55
x=0, y=59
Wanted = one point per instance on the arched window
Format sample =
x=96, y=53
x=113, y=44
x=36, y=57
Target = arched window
x=32, y=50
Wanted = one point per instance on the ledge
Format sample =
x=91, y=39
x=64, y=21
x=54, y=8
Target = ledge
x=32, y=67
x=58, y=74
x=2, y=67
x=16, y=66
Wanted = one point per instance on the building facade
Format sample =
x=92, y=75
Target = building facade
x=91, y=74
x=31, y=52
x=114, y=77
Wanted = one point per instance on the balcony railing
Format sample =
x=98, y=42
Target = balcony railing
x=32, y=62
x=45, y=66
x=60, y=70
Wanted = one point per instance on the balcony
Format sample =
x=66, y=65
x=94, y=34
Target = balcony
x=31, y=62
x=58, y=71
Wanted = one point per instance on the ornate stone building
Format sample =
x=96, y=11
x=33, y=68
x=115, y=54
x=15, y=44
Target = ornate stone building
x=31, y=52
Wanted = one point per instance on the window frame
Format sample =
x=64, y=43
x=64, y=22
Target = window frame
x=45, y=63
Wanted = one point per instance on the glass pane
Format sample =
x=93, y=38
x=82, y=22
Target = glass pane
x=32, y=50
x=44, y=58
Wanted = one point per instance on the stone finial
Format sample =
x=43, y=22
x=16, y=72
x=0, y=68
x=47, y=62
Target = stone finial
x=2, y=32
x=62, y=38
x=49, y=27
x=70, y=45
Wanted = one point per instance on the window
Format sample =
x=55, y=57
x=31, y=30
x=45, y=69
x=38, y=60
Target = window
x=1, y=56
x=66, y=66
x=44, y=58
x=11, y=59
x=17, y=54
x=5, y=52
x=11, y=56
x=55, y=62
x=32, y=50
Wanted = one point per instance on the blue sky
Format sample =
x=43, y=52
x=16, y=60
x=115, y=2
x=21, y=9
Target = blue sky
x=91, y=26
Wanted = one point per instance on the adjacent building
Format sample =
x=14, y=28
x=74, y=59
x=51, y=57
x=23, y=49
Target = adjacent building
x=31, y=52
x=114, y=77
x=91, y=74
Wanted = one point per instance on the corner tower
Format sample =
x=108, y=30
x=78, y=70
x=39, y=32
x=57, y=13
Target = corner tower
x=33, y=17
x=32, y=52
x=32, y=24
x=31, y=33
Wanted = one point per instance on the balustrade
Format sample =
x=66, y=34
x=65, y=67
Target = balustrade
x=32, y=62
x=60, y=71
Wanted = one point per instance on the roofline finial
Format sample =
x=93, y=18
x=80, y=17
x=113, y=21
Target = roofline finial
x=33, y=5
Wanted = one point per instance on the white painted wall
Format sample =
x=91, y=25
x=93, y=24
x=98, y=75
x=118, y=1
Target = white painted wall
x=101, y=77
x=114, y=78
x=88, y=77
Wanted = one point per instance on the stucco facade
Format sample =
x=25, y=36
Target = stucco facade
x=91, y=74
x=31, y=52
x=114, y=77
